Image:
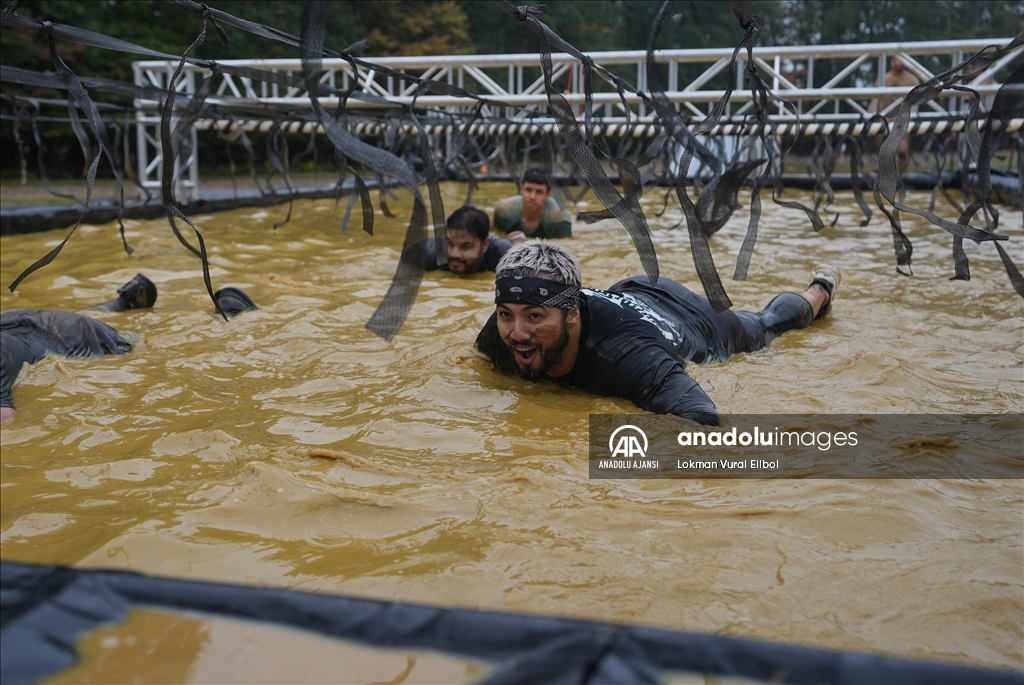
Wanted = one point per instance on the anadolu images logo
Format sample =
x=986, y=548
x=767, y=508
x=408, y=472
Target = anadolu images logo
x=628, y=445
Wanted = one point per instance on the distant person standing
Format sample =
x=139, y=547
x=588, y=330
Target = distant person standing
x=533, y=213
x=898, y=77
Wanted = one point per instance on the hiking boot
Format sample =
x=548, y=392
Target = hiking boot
x=233, y=301
x=828, y=278
x=138, y=293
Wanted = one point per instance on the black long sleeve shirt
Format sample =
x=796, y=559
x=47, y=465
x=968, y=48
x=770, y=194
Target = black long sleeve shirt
x=630, y=350
x=28, y=335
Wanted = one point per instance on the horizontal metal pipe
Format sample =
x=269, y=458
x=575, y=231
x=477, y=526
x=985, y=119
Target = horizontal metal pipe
x=705, y=96
x=919, y=127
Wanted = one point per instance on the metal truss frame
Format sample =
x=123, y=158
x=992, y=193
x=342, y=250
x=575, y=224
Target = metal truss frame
x=514, y=87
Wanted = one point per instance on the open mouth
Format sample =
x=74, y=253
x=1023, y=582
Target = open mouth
x=524, y=354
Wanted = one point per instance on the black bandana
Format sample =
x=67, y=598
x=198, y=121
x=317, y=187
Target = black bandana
x=536, y=291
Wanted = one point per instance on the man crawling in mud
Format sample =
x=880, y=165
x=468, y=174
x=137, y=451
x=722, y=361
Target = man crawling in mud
x=631, y=340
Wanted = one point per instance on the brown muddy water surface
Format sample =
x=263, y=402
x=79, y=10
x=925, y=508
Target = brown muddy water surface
x=291, y=447
x=168, y=647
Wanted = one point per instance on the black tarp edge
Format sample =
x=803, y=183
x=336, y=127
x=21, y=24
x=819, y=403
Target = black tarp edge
x=44, y=610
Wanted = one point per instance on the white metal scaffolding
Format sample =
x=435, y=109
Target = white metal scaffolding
x=517, y=83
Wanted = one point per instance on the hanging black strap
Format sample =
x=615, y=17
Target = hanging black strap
x=82, y=100
x=700, y=249
x=167, y=170
x=394, y=308
x=889, y=178
x=631, y=217
x=433, y=187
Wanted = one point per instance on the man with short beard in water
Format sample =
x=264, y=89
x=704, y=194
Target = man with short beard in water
x=631, y=340
x=469, y=244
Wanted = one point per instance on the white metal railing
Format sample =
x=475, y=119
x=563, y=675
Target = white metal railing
x=515, y=85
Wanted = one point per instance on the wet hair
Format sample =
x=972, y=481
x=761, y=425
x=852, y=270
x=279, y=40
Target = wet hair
x=233, y=301
x=536, y=175
x=470, y=219
x=541, y=259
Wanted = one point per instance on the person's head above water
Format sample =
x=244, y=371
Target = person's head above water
x=535, y=189
x=537, y=286
x=138, y=293
x=468, y=237
x=536, y=176
x=232, y=301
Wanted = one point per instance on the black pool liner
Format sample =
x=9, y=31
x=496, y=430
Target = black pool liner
x=44, y=610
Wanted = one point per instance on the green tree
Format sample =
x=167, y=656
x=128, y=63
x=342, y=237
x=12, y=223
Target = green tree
x=397, y=27
x=413, y=27
x=819, y=22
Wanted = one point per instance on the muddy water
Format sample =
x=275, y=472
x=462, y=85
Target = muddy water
x=440, y=481
x=165, y=647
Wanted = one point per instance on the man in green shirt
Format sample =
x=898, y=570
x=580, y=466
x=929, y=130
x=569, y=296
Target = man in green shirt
x=533, y=213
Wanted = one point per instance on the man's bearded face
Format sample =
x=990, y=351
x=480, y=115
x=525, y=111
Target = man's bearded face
x=536, y=336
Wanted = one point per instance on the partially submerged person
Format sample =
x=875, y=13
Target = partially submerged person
x=533, y=213
x=469, y=243
x=233, y=301
x=632, y=340
x=29, y=335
